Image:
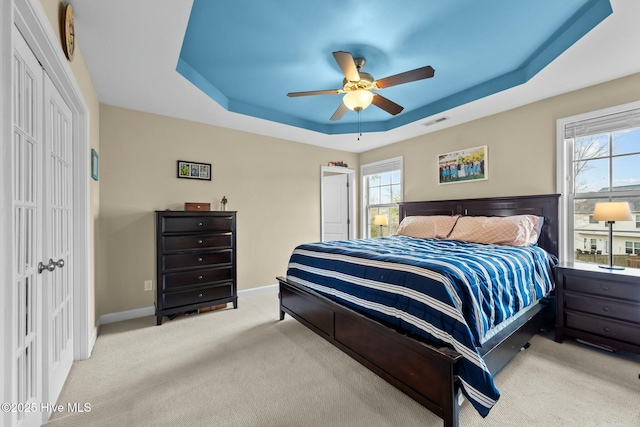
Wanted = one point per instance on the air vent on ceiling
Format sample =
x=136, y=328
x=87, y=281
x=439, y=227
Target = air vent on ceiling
x=434, y=121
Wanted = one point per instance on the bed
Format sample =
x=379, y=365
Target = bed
x=428, y=370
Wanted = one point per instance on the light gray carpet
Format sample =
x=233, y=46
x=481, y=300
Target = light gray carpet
x=245, y=368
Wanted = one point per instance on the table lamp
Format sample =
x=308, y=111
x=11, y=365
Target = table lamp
x=612, y=212
x=380, y=220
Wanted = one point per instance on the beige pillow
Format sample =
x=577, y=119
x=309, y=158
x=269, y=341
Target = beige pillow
x=427, y=227
x=516, y=230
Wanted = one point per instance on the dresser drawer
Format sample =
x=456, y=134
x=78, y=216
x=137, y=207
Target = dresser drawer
x=172, y=281
x=196, y=296
x=620, y=331
x=177, y=243
x=605, y=287
x=603, y=307
x=196, y=224
x=198, y=259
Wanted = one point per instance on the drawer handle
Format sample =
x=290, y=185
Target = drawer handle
x=200, y=224
x=199, y=259
x=605, y=288
x=199, y=241
x=606, y=329
x=605, y=308
x=199, y=277
x=199, y=295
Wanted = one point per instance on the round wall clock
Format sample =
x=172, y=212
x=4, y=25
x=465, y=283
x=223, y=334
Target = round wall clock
x=68, y=33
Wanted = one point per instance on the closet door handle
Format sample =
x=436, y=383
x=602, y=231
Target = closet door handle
x=51, y=266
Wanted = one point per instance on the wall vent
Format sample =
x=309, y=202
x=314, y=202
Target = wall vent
x=434, y=121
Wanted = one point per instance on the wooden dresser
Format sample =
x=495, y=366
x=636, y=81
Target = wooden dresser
x=599, y=306
x=195, y=261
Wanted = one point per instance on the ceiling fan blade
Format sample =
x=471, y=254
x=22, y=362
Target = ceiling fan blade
x=339, y=112
x=406, y=77
x=386, y=104
x=316, y=92
x=347, y=65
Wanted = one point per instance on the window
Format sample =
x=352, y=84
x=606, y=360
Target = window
x=632, y=248
x=598, y=154
x=381, y=193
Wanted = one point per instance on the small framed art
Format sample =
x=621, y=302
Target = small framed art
x=194, y=170
x=463, y=166
x=94, y=164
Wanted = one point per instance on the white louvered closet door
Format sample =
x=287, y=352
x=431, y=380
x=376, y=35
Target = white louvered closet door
x=42, y=338
x=27, y=96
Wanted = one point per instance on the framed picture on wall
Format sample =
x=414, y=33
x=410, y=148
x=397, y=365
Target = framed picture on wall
x=194, y=170
x=463, y=166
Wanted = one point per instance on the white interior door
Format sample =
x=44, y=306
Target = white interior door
x=58, y=283
x=27, y=147
x=336, y=207
x=42, y=238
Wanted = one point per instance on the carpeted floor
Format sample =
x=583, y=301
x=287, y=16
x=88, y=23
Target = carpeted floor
x=245, y=368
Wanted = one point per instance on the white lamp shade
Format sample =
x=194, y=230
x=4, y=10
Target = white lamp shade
x=380, y=220
x=612, y=211
x=358, y=99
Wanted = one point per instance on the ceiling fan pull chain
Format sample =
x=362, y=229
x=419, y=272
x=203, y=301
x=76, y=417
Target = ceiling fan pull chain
x=359, y=130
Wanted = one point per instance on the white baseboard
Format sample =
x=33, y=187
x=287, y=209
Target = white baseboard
x=151, y=310
x=126, y=315
x=258, y=290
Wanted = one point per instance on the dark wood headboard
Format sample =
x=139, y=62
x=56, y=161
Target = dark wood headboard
x=542, y=205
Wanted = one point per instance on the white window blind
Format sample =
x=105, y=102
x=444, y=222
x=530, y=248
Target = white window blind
x=603, y=124
x=383, y=166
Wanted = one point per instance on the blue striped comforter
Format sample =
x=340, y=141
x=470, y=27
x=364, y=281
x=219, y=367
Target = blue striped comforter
x=447, y=291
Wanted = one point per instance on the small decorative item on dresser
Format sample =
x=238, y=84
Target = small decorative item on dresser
x=188, y=206
x=223, y=203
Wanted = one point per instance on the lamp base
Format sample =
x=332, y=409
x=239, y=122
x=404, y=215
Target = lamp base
x=611, y=267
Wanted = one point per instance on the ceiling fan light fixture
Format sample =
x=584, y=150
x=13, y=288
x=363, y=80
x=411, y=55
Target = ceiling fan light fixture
x=358, y=99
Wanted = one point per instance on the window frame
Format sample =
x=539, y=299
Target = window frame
x=380, y=165
x=565, y=181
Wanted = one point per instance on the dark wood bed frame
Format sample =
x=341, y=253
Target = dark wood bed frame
x=424, y=371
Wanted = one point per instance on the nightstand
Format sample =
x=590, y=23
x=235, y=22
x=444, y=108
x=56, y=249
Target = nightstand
x=599, y=306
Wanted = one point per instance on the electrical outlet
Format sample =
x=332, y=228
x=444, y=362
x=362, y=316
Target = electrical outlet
x=148, y=285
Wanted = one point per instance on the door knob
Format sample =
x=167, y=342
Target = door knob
x=51, y=266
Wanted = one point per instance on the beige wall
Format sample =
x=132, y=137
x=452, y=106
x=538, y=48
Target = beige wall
x=273, y=184
x=521, y=146
x=53, y=9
